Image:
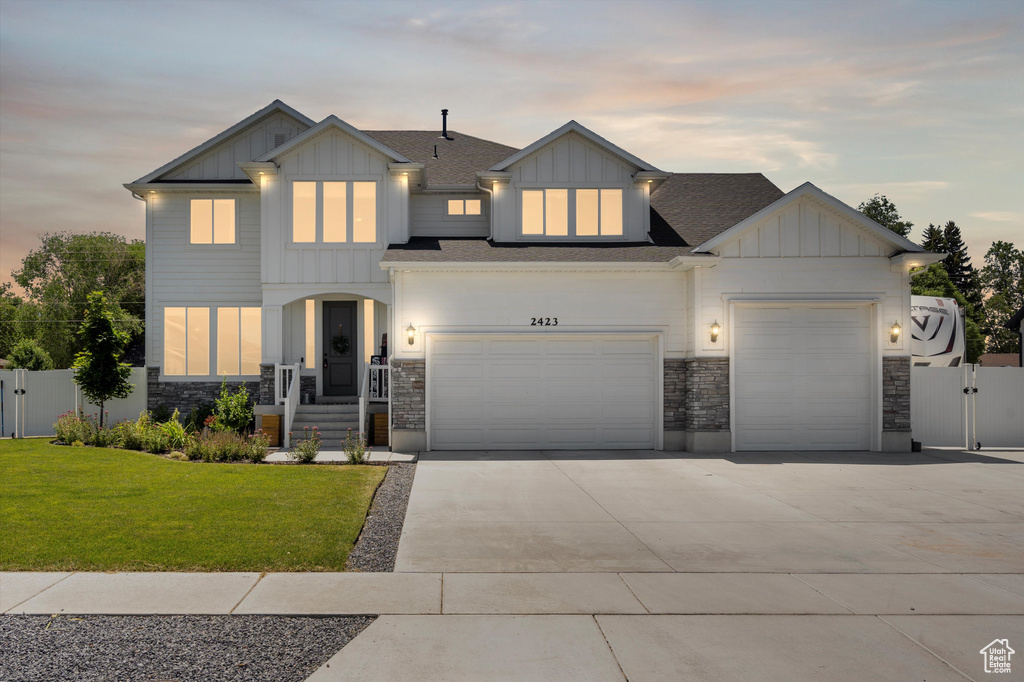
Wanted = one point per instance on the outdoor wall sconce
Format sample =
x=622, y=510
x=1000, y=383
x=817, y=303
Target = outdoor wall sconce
x=894, y=332
x=411, y=333
x=715, y=329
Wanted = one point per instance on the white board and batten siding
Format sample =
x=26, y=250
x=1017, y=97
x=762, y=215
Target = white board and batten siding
x=331, y=156
x=221, y=162
x=804, y=377
x=554, y=391
x=207, y=275
x=429, y=218
x=572, y=161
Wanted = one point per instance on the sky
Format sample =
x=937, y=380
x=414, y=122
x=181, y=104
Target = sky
x=920, y=101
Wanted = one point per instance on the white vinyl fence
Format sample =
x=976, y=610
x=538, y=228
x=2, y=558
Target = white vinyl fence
x=967, y=406
x=49, y=394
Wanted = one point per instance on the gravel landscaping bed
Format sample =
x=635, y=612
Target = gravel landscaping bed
x=377, y=546
x=170, y=648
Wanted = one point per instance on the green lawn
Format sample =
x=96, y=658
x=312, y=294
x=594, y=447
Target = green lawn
x=94, y=509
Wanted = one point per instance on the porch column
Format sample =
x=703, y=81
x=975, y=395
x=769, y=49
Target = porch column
x=273, y=350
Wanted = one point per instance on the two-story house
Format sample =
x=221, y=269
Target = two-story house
x=564, y=295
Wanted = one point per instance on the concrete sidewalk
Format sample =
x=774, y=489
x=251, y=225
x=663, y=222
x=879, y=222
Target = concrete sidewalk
x=592, y=626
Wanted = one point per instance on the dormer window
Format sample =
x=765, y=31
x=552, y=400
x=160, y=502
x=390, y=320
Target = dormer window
x=464, y=207
x=572, y=212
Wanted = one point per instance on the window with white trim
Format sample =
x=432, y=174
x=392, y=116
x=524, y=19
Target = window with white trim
x=572, y=212
x=239, y=341
x=186, y=341
x=212, y=221
x=334, y=212
x=464, y=207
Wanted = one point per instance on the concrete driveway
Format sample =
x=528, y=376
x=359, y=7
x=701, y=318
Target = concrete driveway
x=935, y=512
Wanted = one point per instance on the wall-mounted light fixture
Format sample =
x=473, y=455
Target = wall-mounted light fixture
x=410, y=332
x=894, y=332
x=715, y=330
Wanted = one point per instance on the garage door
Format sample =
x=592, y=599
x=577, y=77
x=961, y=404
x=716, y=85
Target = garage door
x=803, y=377
x=550, y=392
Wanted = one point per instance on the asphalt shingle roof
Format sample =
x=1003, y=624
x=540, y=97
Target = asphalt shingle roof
x=686, y=210
x=458, y=160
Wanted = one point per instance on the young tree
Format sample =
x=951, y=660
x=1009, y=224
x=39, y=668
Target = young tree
x=99, y=370
x=27, y=354
x=884, y=212
x=59, y=276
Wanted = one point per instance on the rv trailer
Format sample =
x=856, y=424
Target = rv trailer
x=936, y=332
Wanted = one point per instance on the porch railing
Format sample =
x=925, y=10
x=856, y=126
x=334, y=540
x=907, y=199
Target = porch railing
x=288, y=396
x=372, y=388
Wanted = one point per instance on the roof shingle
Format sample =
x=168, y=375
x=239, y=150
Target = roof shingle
x=458, y=160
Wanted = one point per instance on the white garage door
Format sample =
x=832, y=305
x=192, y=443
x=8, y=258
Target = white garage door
x=803, y=377
x=550, y=392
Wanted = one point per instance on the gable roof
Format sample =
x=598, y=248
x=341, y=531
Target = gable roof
x=583, y=131
x=272, y=108
x=333, y=121
x=807, y=189
x=699, y=206
x=458, y=160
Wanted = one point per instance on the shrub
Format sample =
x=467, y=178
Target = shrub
x=73, y=427
x=197, y=417
x=161, y=414
x=233, y=410
x=225, y=446
x=355, y=447
x=104, y=437
x=174, y=432
x=257, y=447
x=306, y=448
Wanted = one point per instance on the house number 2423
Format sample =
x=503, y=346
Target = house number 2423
x=543, y=321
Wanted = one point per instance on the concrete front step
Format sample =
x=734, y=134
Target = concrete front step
x=322, y=424
x=327, y=409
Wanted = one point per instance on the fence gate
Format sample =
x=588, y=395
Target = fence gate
x=968, y=407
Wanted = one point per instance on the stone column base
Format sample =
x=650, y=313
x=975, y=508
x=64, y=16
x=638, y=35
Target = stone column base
x=708, y=441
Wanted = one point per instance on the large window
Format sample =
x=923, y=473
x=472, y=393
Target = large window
x=572, y=212
x=239, y=332
x=186, y=341
x=212, y=221
x=334, y=212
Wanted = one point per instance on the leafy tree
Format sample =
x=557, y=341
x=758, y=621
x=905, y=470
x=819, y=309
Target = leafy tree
x=1003, y=279
x=59, y=276
x=934, y=240
x=99, y=370
x=17, y=317
x=27, y=354
x=884, y=212
x=935, y=282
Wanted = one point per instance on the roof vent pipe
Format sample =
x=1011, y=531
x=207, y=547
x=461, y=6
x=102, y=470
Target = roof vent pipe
x=435, y=151
x=444, y=125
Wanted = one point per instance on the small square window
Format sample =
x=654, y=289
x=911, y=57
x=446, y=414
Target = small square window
x=212, y=221
x=465, y=207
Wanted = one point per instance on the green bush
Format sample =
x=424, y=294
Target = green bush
x=28, y=354
x=73, y=427
x=161, y=414
x=355, y=447
x=175, y=432
x=226, y=446
x=233, y=410
x=197, y=417
x=305, y=449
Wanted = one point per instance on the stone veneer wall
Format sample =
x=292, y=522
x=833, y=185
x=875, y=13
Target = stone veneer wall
x=707, y=394
x=184, y=395
x=895, y=394
x=675, y=394
x=408, y=396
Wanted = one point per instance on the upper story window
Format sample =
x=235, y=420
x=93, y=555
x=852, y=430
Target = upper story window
x=212, y=221
x=572, y=212
x=464, y=207
x=334, y=212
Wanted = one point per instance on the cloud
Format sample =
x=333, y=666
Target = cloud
x=1000, y=216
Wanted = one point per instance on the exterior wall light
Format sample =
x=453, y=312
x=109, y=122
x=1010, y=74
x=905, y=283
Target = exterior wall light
x=410, y=332
x=715, y=329
x=894, y=332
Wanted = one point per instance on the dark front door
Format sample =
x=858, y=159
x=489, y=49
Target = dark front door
x=340, y=348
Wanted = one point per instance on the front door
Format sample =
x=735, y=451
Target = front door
x=340, y=348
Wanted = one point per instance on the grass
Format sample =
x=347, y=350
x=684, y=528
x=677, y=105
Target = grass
x=96, y=509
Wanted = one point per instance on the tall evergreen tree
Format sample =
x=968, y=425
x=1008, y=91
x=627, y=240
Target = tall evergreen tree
x=933, y=239
x=957, y=263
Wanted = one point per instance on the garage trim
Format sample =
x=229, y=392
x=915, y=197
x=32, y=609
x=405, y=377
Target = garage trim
x=659, y=361
x=852, y=299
